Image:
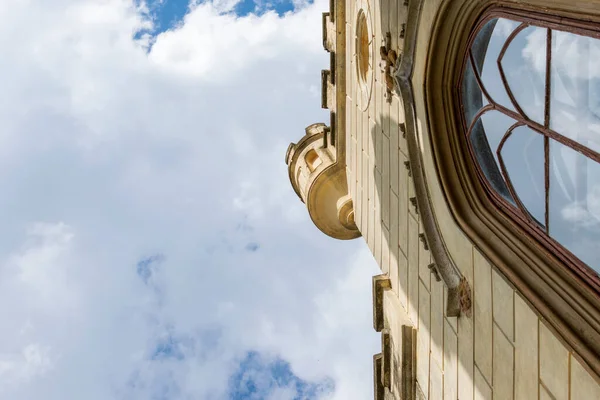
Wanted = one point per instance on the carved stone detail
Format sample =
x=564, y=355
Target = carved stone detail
x=464, y=293
x=389, y=60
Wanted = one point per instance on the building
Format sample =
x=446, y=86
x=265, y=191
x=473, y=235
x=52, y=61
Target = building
x=463, y=146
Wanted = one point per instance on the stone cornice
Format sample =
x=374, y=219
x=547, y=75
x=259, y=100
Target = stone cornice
x=443, y=264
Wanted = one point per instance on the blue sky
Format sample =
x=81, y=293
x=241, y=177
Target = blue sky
x=259, y=378
x=170, y=13
x=151, y=245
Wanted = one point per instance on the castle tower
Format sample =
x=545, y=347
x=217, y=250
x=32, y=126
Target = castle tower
x=463, y=148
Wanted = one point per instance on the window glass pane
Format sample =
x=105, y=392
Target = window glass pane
x=485, y=137
x=523, y=156
x=575, y=83
x=495, y=125
x=574, y=203
x=486, y=49
x=524, y=65
x=573, y=111
x=473, y=98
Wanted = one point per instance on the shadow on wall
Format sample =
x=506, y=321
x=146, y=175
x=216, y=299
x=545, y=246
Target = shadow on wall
x=443, y=365
x=505, y=341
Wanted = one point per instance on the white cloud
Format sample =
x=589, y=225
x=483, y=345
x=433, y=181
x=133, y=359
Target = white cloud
x=41, y=268
x=534, y=50
x=213, y=45
x=33, y=361
x=124, y=155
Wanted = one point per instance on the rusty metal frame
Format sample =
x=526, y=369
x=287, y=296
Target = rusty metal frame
x=547, y=105
x=504, y=171
x=520, y=213
x=507, y=43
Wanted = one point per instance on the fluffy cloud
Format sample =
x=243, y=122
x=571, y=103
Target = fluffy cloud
x=150, y=238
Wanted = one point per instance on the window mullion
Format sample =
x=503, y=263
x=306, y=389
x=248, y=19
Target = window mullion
x=547, y=126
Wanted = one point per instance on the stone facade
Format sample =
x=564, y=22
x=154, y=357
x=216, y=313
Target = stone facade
x=454, y=325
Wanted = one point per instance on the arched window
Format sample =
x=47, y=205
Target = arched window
x=531, y=111
x=312, y=160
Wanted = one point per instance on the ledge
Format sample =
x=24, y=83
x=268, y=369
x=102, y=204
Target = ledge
x=328, y=32
x=381, y=283
x=327, y=90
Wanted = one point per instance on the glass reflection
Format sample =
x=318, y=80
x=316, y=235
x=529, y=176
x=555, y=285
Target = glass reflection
x=574, y=206
x=495, y=125
x=523, y=156
x=524, y=65
x=485, y=152
x=486, y=50
x=473, y=98
x=573, y=193
x=575, y=80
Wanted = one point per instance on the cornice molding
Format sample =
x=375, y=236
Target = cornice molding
x=444, y=264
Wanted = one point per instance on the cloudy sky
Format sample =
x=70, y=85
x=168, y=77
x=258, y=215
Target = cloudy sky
x=151, y=246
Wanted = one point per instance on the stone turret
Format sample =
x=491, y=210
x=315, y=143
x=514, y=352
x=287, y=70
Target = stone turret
x=321, y=183
x=317, y=163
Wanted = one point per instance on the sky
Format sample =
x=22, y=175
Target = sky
x=151, y=246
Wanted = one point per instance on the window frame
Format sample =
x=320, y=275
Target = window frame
x=565, y=301
x=519, y=213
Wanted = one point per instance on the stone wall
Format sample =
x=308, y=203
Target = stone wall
x=503, y=349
